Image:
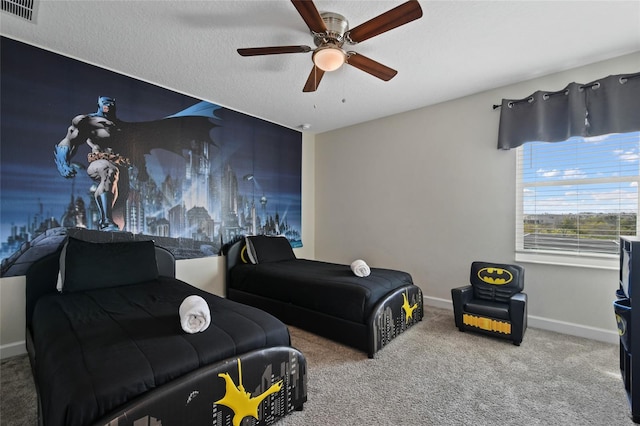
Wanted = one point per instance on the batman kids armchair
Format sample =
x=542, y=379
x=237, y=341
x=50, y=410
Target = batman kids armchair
x=494, y=302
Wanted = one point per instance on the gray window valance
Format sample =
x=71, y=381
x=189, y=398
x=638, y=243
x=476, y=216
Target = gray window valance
x=607, y=105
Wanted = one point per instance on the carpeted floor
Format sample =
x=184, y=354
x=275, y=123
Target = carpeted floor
x=18, y=406
x=431, y=375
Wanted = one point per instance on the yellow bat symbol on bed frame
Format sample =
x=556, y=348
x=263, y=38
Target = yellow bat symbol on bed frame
x=240, y=401
x=495, y=276
x=408, y=309
x=242, y=254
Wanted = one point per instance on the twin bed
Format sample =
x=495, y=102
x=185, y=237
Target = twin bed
x=324, y=298
x=106, y=346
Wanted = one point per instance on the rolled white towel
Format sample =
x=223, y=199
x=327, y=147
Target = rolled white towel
x=194, y=314
x=360, y=268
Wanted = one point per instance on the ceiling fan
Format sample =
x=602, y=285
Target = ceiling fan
x=331, y=31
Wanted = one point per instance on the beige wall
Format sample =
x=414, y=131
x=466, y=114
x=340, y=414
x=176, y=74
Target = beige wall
x=427, y=191
x=205, y=273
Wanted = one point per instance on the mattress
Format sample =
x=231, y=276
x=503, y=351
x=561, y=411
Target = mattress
x=98, y=349
x=324, y=287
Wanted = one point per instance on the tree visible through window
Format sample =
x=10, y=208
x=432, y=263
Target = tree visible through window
x=578, y=196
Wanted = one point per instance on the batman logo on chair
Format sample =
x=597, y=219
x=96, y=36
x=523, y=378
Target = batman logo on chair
x=495, y=276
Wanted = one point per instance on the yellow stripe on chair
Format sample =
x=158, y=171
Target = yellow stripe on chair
x=487, y=324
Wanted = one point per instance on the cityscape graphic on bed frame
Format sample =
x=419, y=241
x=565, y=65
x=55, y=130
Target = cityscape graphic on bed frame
x=156, y=164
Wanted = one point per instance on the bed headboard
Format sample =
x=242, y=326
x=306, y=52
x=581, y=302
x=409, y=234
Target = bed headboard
x=166, y=262
x=233, y=253
x=42, y=275
x=263, y=248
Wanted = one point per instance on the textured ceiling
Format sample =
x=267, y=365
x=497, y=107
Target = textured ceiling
x=456, y=49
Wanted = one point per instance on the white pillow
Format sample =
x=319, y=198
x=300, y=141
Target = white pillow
x=251, y=251
x=63, y=255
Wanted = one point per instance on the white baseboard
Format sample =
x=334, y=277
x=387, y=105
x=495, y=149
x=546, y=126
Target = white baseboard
x=608, y=336
x=12, y=349
x=593, y=333
x=438, y=303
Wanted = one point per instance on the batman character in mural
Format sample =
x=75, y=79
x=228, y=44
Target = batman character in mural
x=118, y=146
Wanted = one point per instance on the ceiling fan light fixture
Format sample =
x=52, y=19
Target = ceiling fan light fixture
x=329, y=58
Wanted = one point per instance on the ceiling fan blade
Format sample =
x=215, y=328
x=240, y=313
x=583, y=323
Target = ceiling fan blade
x=389, y=20
x=370, y=66
x=310, y=14
x=255, y=51
x=313, y=80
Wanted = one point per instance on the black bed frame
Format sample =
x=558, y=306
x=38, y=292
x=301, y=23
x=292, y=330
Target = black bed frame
x=169, y=399
x=383, y=325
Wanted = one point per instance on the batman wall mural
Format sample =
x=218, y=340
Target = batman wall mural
x=88, y=151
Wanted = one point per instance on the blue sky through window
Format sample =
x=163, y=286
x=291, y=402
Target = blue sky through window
x=582, y=175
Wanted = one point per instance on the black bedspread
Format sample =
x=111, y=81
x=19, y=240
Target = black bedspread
x=324, y=287
x=98, y=349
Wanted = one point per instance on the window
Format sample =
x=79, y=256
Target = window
x=575, y=198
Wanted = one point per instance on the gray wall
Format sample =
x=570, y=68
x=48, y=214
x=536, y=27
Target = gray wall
x=427, y=191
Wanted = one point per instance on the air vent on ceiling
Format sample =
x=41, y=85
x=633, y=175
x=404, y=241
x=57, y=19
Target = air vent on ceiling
x=24, y=9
